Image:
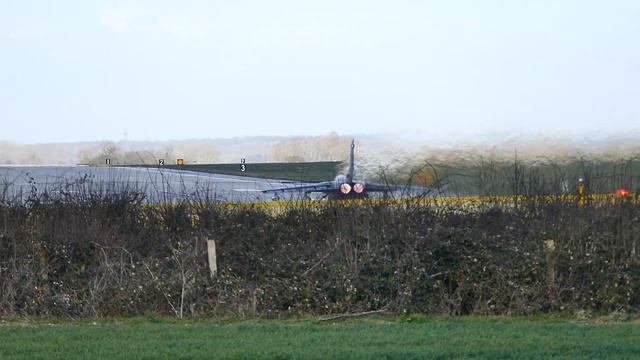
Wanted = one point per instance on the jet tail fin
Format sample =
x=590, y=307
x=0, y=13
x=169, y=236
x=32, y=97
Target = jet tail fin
x=351, y=173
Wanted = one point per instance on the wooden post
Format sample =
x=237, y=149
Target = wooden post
x=551, y=257
x=211, y=251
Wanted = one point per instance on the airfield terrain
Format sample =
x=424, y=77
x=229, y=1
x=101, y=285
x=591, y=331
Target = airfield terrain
x=93, y=274
x=158, y=184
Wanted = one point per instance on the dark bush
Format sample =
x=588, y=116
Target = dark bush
x=102, y=256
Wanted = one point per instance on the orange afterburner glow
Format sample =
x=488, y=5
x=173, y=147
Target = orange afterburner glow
x=621, y=192
x=345, y=188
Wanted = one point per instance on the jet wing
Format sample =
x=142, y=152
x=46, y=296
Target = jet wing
x=381, y=187
x=328, y=186
x=325, y=186
x=415, y=190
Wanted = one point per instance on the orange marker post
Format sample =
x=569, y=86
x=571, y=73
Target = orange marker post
x=581, y=193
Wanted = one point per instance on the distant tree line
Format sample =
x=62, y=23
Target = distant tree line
x=311, y=148
x=193, y=152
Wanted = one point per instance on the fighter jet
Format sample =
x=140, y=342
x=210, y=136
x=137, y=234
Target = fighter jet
x=342, y=187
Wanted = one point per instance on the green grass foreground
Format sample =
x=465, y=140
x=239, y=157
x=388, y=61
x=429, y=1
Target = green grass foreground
x=378, y=338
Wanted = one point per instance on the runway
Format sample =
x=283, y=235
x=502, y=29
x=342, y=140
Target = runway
x=18, y=183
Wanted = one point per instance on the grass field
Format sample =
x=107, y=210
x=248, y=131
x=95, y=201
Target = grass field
x=375, y=338
x=305, y=171
x=465, y=178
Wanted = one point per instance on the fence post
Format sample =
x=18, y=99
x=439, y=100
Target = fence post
x=551, y=257
x=211, y=251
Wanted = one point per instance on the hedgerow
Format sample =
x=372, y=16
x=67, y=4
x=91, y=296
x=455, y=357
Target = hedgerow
x=114, y=255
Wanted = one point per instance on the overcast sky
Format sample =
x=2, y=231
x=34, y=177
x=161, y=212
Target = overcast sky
x=154, y=70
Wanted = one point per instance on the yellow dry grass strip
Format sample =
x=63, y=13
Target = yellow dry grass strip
x=506, y=200
x=459, y=200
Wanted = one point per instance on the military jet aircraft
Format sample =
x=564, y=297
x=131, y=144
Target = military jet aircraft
x=342, y=187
